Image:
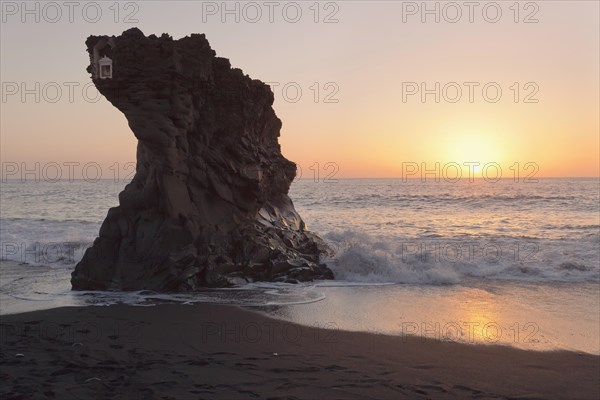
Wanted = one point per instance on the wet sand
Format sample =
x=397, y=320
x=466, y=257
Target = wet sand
x=224, y=352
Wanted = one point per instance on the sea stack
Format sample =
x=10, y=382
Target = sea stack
x=208, y=205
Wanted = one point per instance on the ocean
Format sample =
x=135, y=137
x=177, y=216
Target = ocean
x=506, y=262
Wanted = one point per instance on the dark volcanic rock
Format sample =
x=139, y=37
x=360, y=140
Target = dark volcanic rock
x=208, y=205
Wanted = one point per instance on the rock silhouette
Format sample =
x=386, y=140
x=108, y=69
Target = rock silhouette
x=209, y=204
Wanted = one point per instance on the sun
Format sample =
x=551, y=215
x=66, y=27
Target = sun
x=473, y=151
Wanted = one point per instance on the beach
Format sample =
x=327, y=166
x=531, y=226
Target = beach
x=207, y=351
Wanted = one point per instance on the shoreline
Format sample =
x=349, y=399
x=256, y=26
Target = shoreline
x=219, y=351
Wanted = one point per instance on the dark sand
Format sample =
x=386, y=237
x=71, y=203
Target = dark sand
x=220, y=352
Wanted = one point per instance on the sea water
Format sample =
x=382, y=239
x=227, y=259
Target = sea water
x=506, y=262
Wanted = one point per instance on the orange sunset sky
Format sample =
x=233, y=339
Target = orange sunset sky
x=364, y=58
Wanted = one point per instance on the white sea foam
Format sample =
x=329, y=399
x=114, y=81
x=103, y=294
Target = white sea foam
x=376, y=259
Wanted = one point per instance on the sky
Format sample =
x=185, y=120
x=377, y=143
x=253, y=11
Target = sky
x=364, y=89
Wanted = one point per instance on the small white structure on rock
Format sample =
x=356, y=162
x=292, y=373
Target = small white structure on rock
x=105, y=68
x=102, y=65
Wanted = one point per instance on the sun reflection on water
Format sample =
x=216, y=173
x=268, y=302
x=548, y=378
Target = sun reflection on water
x=517, y=315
